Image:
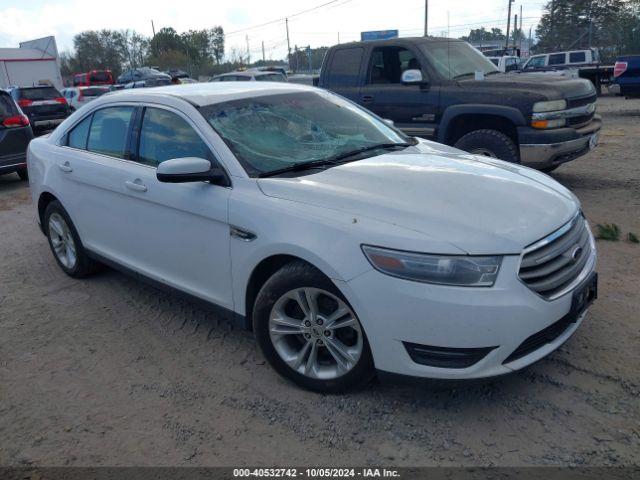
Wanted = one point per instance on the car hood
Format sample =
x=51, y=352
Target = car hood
x=478, y=205
x=548, y=86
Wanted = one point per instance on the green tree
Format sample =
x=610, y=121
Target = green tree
x=478, y=35
x=610, y=25
x=104, y=49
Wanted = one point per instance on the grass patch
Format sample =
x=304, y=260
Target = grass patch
x=608, y=231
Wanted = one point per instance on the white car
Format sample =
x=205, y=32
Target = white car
x=344, y=244
x=76, y=97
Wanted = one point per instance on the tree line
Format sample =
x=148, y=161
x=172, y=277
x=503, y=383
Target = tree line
x=199, y=52
x=613, y=26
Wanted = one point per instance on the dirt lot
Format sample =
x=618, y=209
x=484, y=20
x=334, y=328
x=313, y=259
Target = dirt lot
x=108, y=371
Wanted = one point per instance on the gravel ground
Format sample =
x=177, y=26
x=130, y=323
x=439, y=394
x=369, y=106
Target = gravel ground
x=108, y=371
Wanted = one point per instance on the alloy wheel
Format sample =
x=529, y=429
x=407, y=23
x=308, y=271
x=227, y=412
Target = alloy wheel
x=64, y=246
x=315, y=333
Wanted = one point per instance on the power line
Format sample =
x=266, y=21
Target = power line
x=271, y=22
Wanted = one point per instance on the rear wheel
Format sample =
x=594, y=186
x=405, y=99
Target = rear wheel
x=23, y=174
x=65, y=243
x=489, y=143
x=309, y=333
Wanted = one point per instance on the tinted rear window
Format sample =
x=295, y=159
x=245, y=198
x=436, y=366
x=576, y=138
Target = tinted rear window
x=557, y=59
x=100, y=77
x=39, y=93
x=7, y=108
x=94, y=92
x=345, y=67
x=576, y=57
x=271, y=77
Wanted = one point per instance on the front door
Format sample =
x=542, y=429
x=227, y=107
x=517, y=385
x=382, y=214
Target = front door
x=176, y=233
x=412, y=108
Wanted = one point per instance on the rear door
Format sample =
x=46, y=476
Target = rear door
x=413, y=108
x=343, y=72
x=176, y=233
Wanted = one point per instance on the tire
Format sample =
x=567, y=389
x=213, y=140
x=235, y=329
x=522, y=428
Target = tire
x=23, y=174
x=490, y=143
x=321, y=372
x=63, y=238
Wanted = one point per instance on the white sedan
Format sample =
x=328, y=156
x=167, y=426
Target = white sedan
x=345, y=245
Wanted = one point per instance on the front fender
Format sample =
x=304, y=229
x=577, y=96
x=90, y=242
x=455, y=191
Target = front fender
x=511, y=114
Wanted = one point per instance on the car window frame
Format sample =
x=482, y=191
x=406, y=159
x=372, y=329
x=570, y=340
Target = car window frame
x=369, y=69
x=137, y=130
x=134, y=132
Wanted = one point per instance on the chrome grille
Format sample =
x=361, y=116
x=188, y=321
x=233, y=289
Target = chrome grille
x=551, y=265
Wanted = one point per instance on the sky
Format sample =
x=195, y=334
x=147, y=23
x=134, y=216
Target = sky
x=337, y=21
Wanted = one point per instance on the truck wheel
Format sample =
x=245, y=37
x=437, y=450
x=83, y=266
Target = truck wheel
x=489, y=143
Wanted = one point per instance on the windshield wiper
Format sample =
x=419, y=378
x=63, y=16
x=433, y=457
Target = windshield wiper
x=298, y=167
x=330, y=162
x=343, y=156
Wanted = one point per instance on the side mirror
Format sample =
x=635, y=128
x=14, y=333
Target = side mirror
x=190, y=169
x=412, y=77
x=388, y=121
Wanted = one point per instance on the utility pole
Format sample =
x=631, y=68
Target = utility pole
x=506, y=44
x=426, y=17
x=515, y=27
x=286, y=22
x=263, y=58
x=248, y=51
x=153, y=39
x=590, y=21
x=338, y=38
x=521, y=32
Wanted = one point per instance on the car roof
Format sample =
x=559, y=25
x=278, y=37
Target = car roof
x=201, y=94
x=397, y=41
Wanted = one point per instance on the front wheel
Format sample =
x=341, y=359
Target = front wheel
x=309, y=333
x=489, y=143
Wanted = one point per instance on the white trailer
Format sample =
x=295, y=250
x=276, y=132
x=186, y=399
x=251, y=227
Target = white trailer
x=35, y=62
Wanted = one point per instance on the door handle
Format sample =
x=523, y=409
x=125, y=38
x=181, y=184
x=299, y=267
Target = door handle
x=367, y=98
x=65, y=167
x=136, y=185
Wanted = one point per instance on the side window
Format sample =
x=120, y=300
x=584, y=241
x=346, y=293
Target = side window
x=388, y=63
x=78, y=136
x=165, y=135
x=577, y=57
x=535, y=62
x=557, y=59
x=511, y=64
x=345, y=67
x=108, y=133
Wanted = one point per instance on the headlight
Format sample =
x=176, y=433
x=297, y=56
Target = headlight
x=460, y=270
x=550, y=106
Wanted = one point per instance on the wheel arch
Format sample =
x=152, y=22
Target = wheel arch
x=262, y=272
x=459, y=120
x=44, y=200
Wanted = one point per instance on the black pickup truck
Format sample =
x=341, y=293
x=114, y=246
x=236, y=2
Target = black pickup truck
x=447, y=91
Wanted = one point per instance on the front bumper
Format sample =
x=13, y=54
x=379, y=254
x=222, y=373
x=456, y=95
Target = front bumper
x=543, y=149
x=395, y=312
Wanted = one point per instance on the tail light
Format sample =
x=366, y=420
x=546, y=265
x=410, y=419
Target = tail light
x=620, y=68
x=16, y=121
x=60, y=100
x=23, y=102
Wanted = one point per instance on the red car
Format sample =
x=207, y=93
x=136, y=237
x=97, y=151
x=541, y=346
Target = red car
x=93, y=77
